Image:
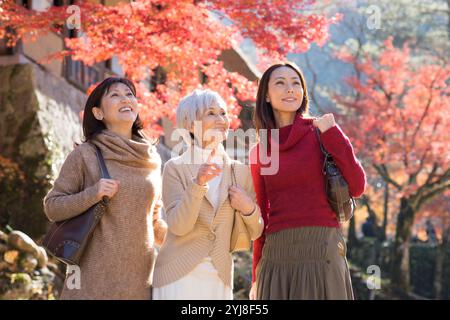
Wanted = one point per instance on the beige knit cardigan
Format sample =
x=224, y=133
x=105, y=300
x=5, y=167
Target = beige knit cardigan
x=195, y=231
x=119, y=259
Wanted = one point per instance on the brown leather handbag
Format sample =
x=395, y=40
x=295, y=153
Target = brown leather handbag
x=66, y=240
x=336, y=187
x=240, y=237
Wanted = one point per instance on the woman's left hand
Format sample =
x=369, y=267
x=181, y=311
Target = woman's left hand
x=324, y=122
x=159, y=225
x=240, y=200
x=157, y=209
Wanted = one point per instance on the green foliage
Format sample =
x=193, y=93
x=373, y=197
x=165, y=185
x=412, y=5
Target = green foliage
x=446, y=275
x=422, y=261
x=242, y=275
x=12, y=183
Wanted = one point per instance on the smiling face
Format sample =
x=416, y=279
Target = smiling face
x=285, y=91
x=118, y=107
x=215, y=124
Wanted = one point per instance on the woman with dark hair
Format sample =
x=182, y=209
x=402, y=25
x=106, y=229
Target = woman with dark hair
x=301, y=253
x=119, y=259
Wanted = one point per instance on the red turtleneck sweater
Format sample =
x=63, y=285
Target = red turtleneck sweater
x=295, y=196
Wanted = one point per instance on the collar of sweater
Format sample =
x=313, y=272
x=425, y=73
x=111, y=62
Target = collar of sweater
x=186, y=161
x=136, y=152
x=290, y=135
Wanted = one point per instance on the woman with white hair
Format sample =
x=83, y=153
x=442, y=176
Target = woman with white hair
x=199, y=199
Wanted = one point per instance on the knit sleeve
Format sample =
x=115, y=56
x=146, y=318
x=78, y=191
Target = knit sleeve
x=181, y=203
x=254, y=222
x=69, y=197
x=263, y=203
x=338, y=145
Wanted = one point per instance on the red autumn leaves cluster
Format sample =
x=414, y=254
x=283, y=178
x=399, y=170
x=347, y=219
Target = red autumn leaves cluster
x=184, y=36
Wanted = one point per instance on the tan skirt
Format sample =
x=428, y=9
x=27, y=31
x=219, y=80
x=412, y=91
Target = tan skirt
x=304, y=263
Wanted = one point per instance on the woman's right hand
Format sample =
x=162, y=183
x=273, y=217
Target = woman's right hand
x=252, y=294
x=207, y=171
x=106, y=187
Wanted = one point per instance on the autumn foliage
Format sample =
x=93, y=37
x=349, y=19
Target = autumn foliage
x=186, y=37
x=399, y=121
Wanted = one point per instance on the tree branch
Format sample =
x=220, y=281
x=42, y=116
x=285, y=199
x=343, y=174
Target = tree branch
x=424, y=114
x=422, y=160
x=429, y=187
x=431, y=194
x=382, y=171
x=365, y=201
x=314, y=83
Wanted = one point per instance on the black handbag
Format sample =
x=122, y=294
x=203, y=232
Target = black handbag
x=66, y=240
x=336, y=188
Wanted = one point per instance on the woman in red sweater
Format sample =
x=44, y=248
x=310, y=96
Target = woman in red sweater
x=301, y=254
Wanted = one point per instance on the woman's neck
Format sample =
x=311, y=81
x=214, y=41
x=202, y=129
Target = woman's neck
x=124, y=132
x=283, y=119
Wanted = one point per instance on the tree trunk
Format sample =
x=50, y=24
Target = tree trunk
x=352, y=241
x=385, y=211
x=400, y=277
x=438, y=275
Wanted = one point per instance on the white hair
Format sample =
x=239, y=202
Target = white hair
x=193, y=106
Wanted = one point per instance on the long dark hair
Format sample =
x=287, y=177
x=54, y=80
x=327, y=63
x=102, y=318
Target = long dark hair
x=263, y=116
x=92, y=126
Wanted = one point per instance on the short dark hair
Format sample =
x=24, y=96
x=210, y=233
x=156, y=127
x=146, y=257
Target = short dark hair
x=92, y=126
x=263, y=116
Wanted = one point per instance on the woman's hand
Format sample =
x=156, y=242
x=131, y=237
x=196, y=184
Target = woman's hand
x=157, y=209
x=252, y=294
x=208, y=170
x=107, y=187
x=159, y=225
x=160, y=231
x=241, y=201
x=324, y=122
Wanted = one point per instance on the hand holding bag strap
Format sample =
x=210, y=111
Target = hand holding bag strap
x=66, y=240
x=336, y=182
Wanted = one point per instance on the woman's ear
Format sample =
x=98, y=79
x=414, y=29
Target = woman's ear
x=267, y=99
x=98, y=113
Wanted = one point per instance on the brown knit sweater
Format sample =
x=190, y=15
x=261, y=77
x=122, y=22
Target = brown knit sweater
x=195, y=230
x=118, y=262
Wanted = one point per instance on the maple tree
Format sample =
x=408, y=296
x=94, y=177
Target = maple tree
x=399, y=122
x=184, y=36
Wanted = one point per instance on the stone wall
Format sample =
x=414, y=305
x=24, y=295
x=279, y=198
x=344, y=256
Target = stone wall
x=25, y=271
x=39, y=123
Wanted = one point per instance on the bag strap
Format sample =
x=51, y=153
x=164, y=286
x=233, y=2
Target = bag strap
x=322, y=148
x=233, y=176
x=101, y=162
x=325, y=153
x=103, y=170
